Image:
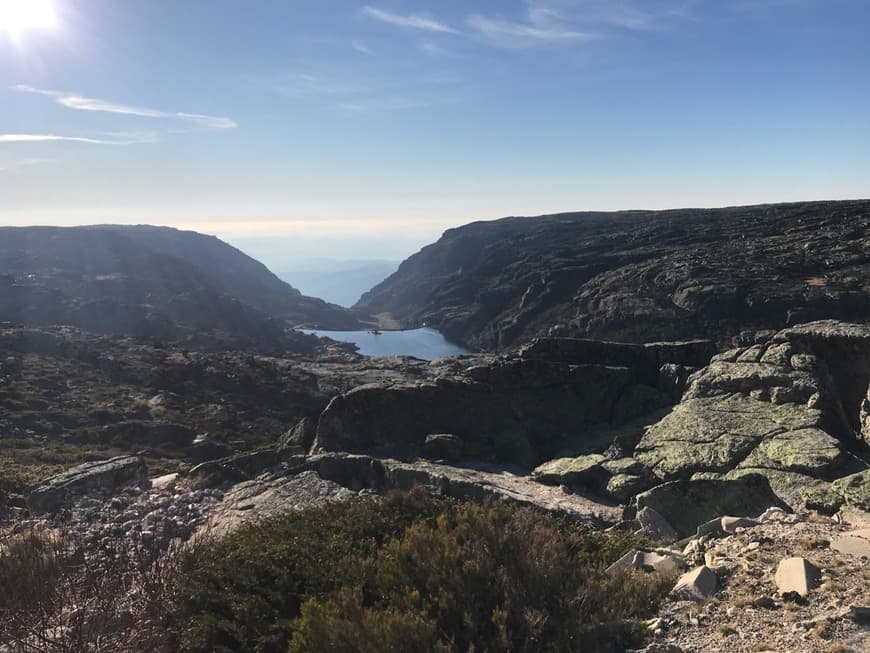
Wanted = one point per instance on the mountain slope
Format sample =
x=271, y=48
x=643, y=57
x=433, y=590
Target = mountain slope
x=149, y=282
x=637, y=275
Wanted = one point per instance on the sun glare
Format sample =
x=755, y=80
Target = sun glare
x=19, y=16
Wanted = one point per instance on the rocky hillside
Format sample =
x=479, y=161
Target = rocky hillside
x=637, y=276
x=150, y=282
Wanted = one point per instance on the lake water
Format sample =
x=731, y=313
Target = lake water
x=420, y=343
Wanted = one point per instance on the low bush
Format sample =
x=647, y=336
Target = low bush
x=414, y=573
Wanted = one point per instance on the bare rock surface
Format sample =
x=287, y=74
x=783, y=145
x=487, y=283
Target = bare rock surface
x=93, y=480
x=796, y=575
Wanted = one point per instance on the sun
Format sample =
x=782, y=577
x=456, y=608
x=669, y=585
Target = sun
x=19, y=16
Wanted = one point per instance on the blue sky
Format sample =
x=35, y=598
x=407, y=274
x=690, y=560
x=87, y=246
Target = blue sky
x=328, y=127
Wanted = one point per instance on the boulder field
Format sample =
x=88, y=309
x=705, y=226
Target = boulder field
x=583, y=427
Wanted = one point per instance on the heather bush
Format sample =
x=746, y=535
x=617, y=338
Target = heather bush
x=414, y=573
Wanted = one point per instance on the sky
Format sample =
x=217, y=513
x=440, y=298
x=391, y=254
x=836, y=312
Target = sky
x=313, y=128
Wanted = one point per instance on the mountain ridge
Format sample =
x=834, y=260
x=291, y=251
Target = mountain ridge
x=636, y=275
x=150, y=282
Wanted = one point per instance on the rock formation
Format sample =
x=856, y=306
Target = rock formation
x=637, y=276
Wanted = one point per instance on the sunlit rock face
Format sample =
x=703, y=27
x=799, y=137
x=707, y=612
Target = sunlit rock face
x=793, y=408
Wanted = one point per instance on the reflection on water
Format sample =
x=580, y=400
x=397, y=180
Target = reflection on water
x=422, y=343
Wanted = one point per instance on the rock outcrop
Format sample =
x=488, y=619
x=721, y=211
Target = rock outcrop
x=637, y=276
x=789, y=408
x=555, y=395
x=93, y=480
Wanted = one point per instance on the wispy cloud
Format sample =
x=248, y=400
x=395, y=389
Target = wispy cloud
x=82, y=103
x=49, y=138
x=303, y=85
x=517, y=34
x=409, y=21
x=361, y=46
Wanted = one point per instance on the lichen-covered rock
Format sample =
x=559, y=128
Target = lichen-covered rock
x=583, y=471
x=716, y=433
x=687, y=504
x=97, y=479
x=855, y=489
x=796, y=489
x=624, y=486
x=809, y=450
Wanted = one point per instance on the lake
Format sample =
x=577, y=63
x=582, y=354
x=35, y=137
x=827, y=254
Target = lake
x=421, y=343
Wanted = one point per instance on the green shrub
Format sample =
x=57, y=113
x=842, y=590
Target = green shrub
x=414, y=573
x=491, y=577
x=244, y=591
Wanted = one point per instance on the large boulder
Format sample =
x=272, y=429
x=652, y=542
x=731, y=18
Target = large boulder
x=97, y=479
x=687, y=504
x=791, y=405
x=716, y=434
x=499, y=409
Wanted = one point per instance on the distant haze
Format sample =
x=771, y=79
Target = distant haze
x=336, y=281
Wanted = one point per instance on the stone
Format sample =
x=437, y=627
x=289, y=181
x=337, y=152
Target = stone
x=855, y=489
x=797, y=575
x=731, y=524
x=687, y=504
x=648, y=561
x=299, y=439
x=205, y=448
x=653, y=524
x=623, y=487
x=696, y=585
x=579, y=472
x=96, y=479
x=442, y=446
x=854, y=543
x=164, y=483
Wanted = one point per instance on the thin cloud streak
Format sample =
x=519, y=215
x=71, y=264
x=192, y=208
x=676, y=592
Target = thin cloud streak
x=81, y=103
x=409, y=21
x=50, y=138
x=361, y=47
x=499, y=27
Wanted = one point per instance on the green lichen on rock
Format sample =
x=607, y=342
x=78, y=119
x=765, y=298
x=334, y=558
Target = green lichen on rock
x=715, y=434
x=855, y=489
x=583, y=471
x=808, y=450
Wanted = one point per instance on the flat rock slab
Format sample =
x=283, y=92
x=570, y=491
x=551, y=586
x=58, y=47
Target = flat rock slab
x=714, y=434
x=797, y=575
x=696, y=585
x=265, y=497
x=854, y=543
x=96, y=479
